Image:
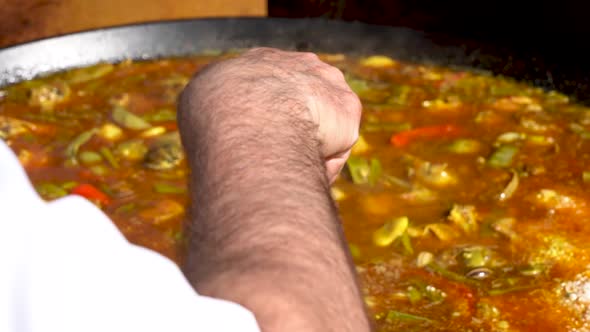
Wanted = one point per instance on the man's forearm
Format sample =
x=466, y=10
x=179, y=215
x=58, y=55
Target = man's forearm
x=265, y=232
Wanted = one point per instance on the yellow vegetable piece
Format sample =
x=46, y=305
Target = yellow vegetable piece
x=25, y=157
x=110, y=132
x=361, y=146
x=435, y=174
x=442, y=104
x=133, y=149
x=337, y=194
x=154, y=131
x=505, y=226
x=378, y=61
x=424, y=258
x=162, y=211
x=370, y=301
x=554, y=200
x=441, y=231
x=414, y=231
x=465, y=217
x=390, y=231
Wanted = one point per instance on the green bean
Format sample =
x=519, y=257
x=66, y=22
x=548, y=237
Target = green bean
x=464, y=146
x=357, y=85
x=452, y=275
x=375, y=171
x=359, y=169
x=161, y=115
x=72, y=148
x=400, y=95
x=89, y=157
x=128, y=120
x=108, y=155
x=391, y=127
x=533, y=270
x=82, y=75
x=125, y=208
x=510, y=188
x=69, y=185
x=50, y=190
x=393, y=315
x=407, y=243
x=166, y=188
x=397, y=181
x=503, y=156
x=502, y=291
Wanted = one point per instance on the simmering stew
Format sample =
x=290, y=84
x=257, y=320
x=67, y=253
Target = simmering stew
x=465, y=201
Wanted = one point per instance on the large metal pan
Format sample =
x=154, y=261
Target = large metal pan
x=178, y=38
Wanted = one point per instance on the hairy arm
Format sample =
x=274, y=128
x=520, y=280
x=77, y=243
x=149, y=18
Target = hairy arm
x=264, y=230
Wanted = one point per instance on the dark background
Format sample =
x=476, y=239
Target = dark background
x=554, y=28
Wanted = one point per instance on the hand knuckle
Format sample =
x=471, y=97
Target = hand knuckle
x=354, y=103
x=309, y=55
x=259, y=50
x=337, y=73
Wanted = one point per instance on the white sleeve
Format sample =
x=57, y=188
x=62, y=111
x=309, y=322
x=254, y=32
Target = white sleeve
x=65, y=267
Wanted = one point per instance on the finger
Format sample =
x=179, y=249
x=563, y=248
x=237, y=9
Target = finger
x=339, y=123
x=330, y=74
x=335, y=164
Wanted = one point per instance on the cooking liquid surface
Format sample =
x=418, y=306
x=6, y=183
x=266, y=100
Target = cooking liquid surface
x=465, y=202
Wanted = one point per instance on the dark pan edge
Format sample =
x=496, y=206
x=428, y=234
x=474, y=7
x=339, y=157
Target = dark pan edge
x=185, y=37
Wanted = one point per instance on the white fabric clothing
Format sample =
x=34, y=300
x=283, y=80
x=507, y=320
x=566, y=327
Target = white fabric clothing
x=65, y=267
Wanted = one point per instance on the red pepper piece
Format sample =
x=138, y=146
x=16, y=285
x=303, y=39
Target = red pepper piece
x=90, y=192
x=404, y=138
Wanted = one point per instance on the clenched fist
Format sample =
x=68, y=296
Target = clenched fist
x=292, y=86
